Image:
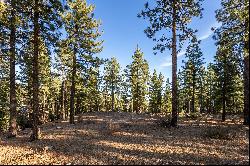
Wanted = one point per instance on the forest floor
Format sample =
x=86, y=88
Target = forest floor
x=128, y=138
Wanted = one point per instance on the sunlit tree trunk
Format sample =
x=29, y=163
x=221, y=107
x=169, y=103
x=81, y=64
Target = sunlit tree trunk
x=174, y=71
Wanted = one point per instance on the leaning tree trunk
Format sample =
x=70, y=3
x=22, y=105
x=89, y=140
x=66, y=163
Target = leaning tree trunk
x=174, y=72
x=13, y=103
x=35, y=129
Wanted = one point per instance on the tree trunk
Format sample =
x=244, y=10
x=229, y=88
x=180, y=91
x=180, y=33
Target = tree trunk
x=224, y=103
x=201, y=101
x=56, y=109
x=188, y=106
x=35, y=128
x=72, y=89
x=174, y=71
x=43, y=110
x=13, y=103
x=193, y=93
x=112, y=89
x=62, y=101
x=77, y=105
x=65, y=100
x=246, y=90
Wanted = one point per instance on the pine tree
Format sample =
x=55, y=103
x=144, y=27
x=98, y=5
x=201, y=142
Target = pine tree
x=234, y=16
x=155, y=93
x=126, y=90
x=139, y=75
x=183, y=91
x=44, y=76
x=210, y=84
x=171, y=15
x=193, y=70
x=43, y=19
x=9, y=31
x=93, y=82
x=226, y=69
x=112, y=79
x=4, y=88
x=81, y=42
x=167, y=97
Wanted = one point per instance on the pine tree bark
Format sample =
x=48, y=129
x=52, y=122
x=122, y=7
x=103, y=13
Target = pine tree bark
x=112, y=89
x=246, y=76
x=13, y=103
x=193, y=93
x=66, y=100
x=174, y=71
x=56, y=108
x=223, y=103
x=62, y=101
x=72, y=89
x=201, y=101
x=35, y=128
x=246, y=90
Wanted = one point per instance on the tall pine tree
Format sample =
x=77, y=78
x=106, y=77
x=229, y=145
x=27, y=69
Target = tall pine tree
x=112, y=79
x=193, y=69
x=139, y=76
x=234, y=16
x=155, y=92
x=81, y=41
x=171, y=15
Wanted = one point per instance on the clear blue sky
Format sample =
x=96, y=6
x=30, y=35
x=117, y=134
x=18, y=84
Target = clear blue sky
x=123, y=31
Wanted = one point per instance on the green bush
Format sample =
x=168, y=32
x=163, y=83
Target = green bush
x=23, y=120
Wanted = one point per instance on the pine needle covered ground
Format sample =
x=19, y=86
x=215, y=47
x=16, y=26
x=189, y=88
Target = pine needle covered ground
x=127, y=138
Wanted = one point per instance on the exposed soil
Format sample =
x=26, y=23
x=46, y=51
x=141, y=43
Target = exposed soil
x=128, y=138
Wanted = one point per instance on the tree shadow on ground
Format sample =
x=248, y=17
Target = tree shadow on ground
x=93, y=141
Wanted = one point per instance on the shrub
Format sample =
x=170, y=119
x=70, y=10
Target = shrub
x=166, y=122
x=23, y=121
x=218, y=132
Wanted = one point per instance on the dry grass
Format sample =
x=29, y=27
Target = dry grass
x=127, y=138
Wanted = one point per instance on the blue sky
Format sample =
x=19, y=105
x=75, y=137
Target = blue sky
x=123, y=31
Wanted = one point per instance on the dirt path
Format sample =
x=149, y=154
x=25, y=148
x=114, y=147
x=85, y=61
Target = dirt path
x=127, y=138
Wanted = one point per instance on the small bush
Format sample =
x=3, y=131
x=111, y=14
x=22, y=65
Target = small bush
x=166, y=122
x=218, y=132
x=23, y=121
